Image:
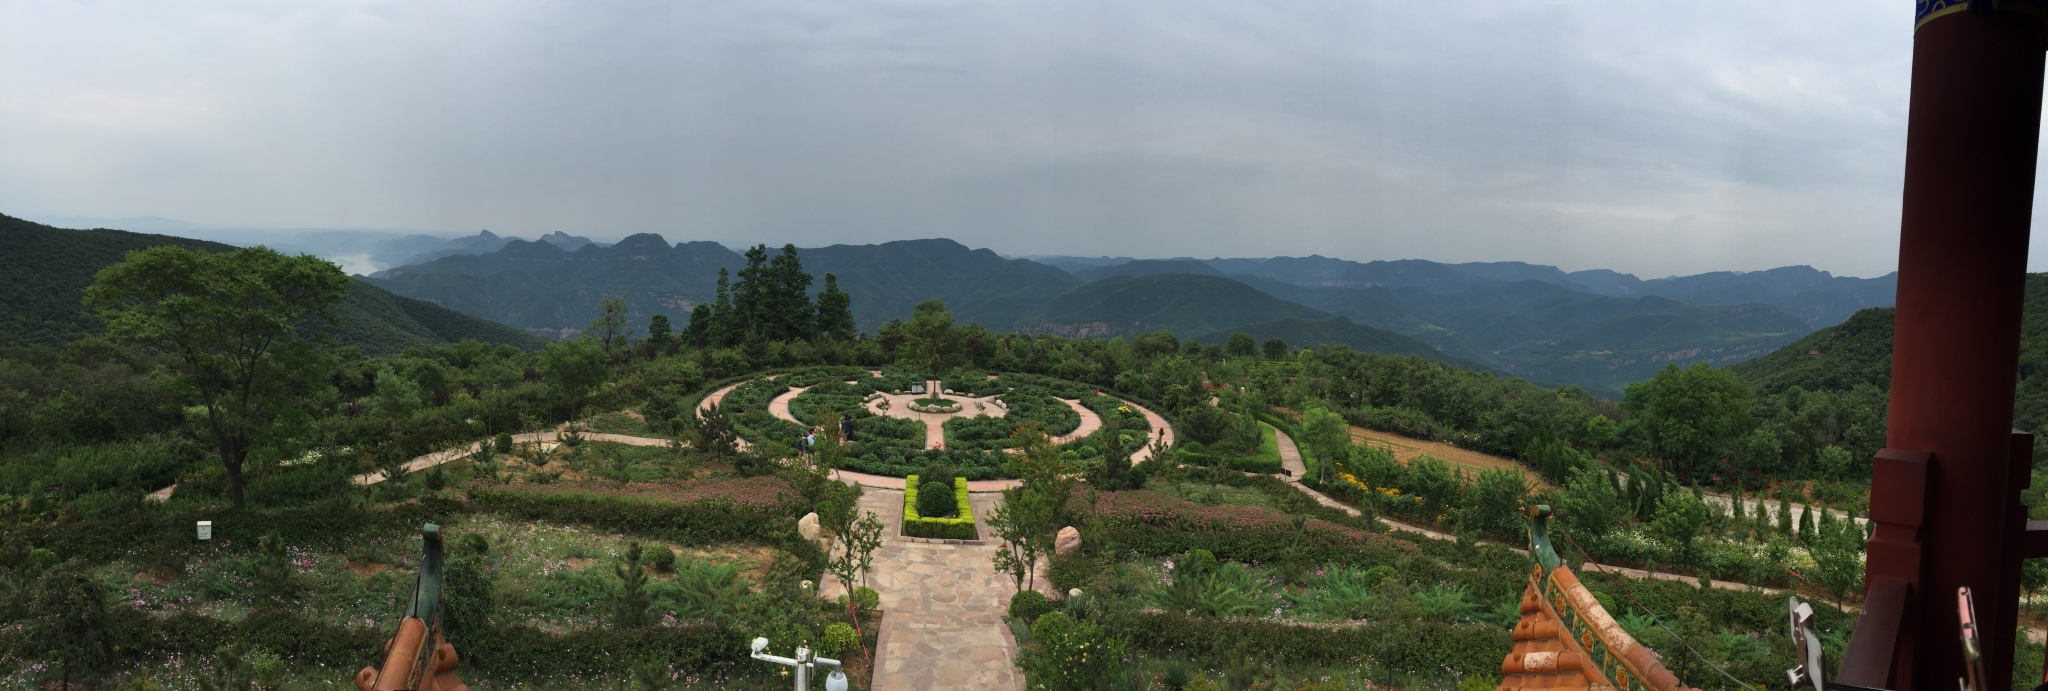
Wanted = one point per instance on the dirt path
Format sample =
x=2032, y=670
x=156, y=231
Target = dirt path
x=713, y=398
x=1290, y=455
x=1160, y=431
x=1089, y=422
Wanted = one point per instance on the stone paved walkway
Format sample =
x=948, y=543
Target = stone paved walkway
x=944, y=604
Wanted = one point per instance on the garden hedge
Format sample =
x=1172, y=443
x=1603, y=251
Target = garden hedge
x=960, y=528
x=100, y=540
x=685, y=523
x=1155, y=524
x=1413, y=647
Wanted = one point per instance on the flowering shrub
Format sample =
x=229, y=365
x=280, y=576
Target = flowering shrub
x=1071, y=654
x=1157, y=524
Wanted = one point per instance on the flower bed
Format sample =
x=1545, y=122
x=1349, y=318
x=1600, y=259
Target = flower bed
x=960, y=528
x=1157, y=524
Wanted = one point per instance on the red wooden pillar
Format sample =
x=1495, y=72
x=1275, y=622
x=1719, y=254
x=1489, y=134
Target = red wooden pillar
x=1971, y=140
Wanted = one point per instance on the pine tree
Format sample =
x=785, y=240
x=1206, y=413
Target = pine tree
x=658, y=329
x=835, y=310
x=629, y=604
x=724, y=322
x=751, y=298
x=791, y=316
x=698, y=332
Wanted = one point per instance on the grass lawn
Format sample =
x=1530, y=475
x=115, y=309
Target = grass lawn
x=1213, y=495
x=1266, y=459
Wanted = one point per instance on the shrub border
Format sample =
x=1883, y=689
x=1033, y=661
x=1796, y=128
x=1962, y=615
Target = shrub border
x=960, y=529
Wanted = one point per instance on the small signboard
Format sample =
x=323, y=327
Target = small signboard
x=917, y=388
x=206, y=530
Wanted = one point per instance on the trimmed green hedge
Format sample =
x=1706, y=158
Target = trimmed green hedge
x=100, y=540
x=1415, y=647
x=1264, y=463
x=961, y=528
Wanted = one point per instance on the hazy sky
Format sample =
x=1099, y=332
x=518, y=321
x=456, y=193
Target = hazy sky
x=1650, y=137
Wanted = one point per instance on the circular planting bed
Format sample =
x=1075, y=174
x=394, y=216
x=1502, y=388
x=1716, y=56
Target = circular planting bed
x=935, y=405
x=899, y=434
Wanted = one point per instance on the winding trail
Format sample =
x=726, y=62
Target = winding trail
x=1089, y=422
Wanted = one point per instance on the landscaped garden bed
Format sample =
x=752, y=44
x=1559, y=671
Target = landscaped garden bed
x=959, y=525
x=894, y=446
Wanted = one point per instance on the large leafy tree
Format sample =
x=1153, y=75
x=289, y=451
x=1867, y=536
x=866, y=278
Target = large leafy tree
x=228, y=318
x=576, y=366
x=930, y=339
x=611, y=329
x=1690, y=416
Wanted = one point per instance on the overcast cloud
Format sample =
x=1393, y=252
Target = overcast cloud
x=1650, y=137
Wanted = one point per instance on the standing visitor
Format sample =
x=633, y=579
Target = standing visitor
x=846, y=428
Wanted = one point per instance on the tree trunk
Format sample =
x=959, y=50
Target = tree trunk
x=231, y=459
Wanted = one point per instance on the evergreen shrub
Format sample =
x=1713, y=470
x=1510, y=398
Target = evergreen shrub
x=960, y=527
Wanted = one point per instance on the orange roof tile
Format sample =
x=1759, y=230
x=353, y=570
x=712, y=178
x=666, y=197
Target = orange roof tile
x=1566, y=640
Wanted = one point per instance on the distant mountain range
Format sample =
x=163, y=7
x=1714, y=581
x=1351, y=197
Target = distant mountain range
x=357, y=250
x=1598, y=329
x=541, y=288
x=45, y=271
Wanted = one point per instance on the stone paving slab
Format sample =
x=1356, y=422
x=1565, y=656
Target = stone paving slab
x=944, y=604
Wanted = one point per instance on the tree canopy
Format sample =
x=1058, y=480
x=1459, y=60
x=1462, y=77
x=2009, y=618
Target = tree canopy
x=229, y=319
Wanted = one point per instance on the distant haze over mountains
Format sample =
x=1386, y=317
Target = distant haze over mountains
x=1597, y=328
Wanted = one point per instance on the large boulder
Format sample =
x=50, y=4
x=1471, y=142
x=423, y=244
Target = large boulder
x=1067, y=543
x=808, y=526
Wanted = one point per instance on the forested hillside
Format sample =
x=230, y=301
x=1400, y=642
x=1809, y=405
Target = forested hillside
x=1182, y=303
x=539, y=287
x=1840, y=375
x=45, y=270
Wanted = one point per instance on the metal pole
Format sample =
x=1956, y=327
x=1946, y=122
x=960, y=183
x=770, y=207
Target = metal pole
x=1971, y=140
